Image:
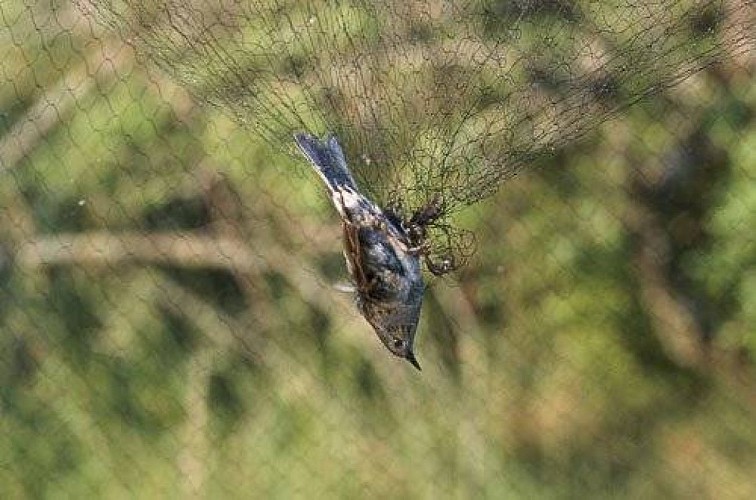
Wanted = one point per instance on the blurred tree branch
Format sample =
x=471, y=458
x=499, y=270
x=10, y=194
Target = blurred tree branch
x=180, y=249
x=60, y=100
x=100, y=65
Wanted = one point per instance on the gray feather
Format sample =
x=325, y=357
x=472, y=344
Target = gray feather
x=328, y=159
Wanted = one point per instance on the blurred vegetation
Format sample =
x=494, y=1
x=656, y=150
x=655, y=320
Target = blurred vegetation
x=169, y=325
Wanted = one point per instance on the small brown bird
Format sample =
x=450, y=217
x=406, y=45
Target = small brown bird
x=381, y=260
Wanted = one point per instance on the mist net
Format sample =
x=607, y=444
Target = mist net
x=431, y=100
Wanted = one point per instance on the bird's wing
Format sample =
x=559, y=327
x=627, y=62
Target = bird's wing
x=353, y=255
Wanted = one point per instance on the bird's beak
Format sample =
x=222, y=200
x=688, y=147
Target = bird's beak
x=411, y=358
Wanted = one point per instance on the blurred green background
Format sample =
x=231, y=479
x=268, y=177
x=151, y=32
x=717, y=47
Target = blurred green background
x=169, y=325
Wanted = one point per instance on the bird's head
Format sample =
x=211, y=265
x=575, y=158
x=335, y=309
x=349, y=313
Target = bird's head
x=396, y=327
x=400, y=342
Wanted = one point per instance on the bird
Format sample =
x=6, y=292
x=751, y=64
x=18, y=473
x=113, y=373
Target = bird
x=381, y=257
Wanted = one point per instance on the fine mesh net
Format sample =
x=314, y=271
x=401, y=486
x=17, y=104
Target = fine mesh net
x=430, y=98
x=170, y=319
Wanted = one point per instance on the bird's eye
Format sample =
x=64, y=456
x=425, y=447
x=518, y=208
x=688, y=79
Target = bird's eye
x=398, y=343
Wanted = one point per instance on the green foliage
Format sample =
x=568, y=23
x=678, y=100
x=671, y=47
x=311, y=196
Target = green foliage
x=130, y=370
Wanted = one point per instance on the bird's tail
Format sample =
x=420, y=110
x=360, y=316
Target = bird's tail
x=328, y=160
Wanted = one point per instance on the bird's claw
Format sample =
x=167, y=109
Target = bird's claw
x=446, y=266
